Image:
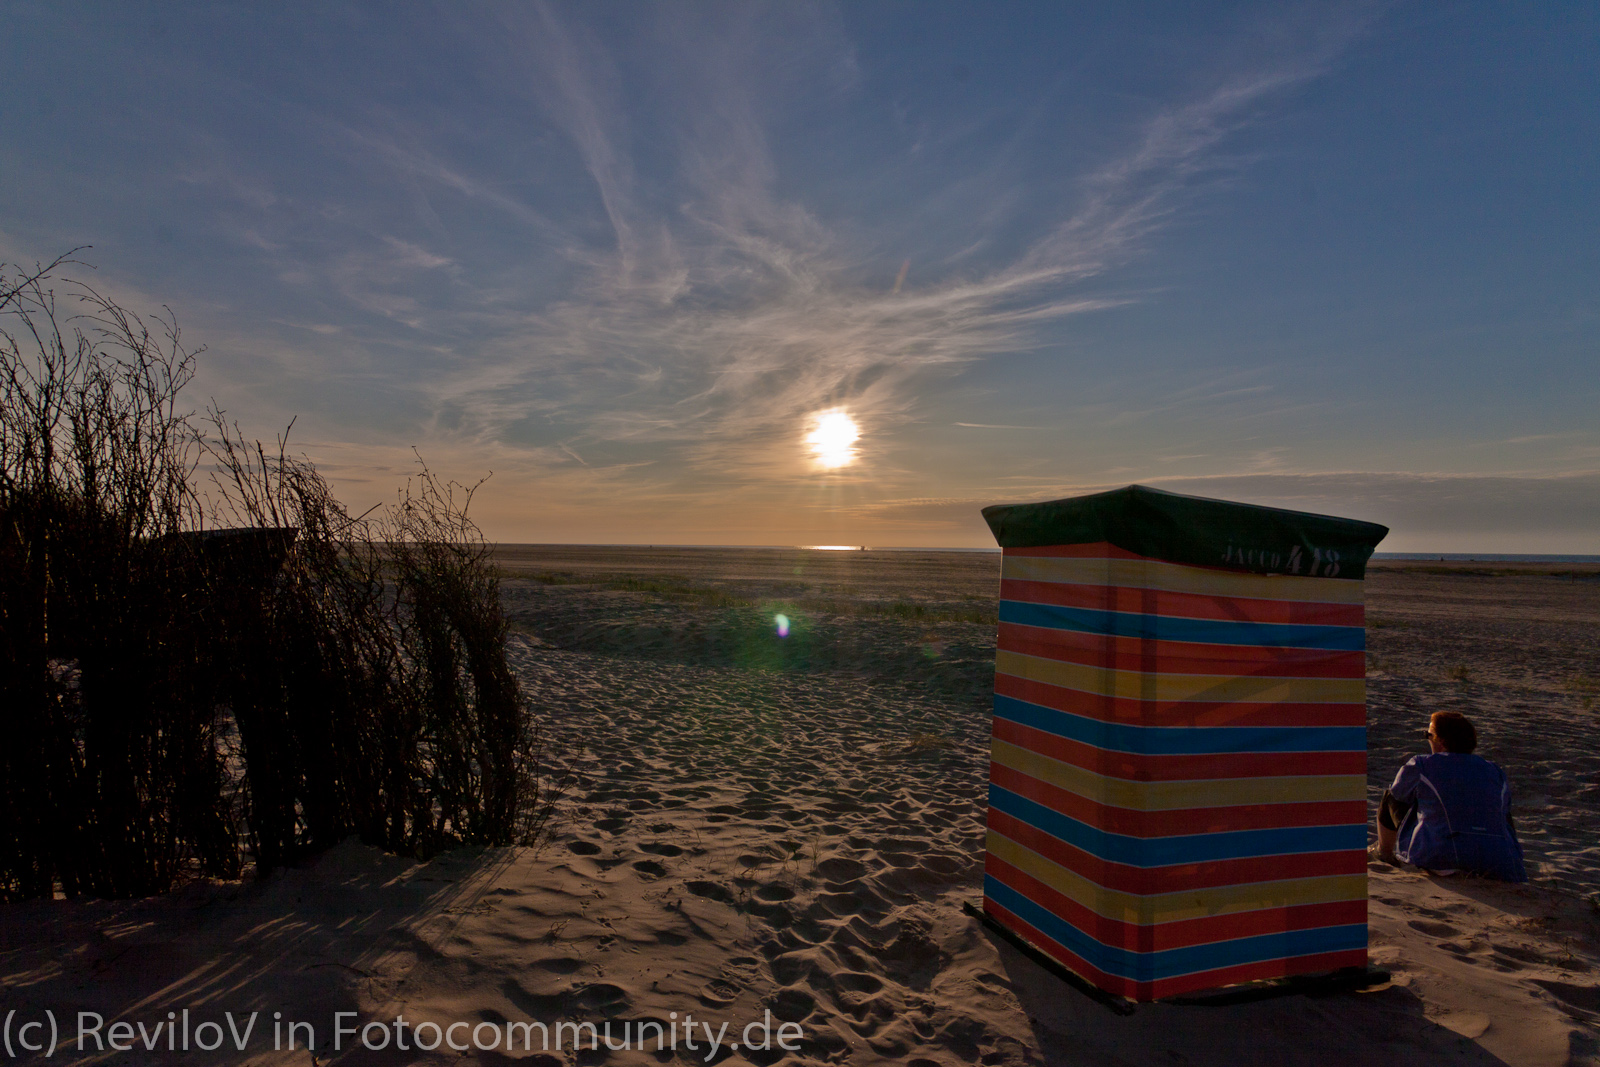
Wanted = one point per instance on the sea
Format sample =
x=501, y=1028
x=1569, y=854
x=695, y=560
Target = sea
x=1485, y=557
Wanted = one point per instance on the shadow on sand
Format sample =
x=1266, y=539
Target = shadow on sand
x=1386, y=1025
x=304, y=943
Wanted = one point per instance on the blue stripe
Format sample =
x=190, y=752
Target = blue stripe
x=1180, y=740
x=1148, y=852
x=1173, y=628
x=1174, y=962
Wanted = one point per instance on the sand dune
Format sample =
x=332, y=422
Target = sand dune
x=756, y=825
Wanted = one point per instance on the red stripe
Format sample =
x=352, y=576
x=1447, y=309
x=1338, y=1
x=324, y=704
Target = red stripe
x=1150, y=880
x=1111, y=983
x=1188, y=983
x=1138, y=767
x=1254, y=972
x=1179, y=821
x=1182, y=933
x=1145, y=601
x=1176, y=712
x=1179, y=657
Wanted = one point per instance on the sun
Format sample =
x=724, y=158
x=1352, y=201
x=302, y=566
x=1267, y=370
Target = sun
x=832, y=438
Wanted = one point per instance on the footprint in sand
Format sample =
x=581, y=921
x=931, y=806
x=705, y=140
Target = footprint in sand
x=794, y=967
x=908, y=883
x=1542, y=959
x=859, y=900
x=718, y=993
x=709, y=891
x=601, y=998
x=777, y=916
x=791, y=1005
x=556, y=965
x=839, y=869
x=915, y=958
x=807, y=928
x=1578, y=998
x=856, y=994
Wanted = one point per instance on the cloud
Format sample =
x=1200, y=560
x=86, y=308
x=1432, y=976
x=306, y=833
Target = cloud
x=410, y=255
x=1450, y=505
x=588, y=258
x=397, y=147
x=723, y=311
x=1425, y=512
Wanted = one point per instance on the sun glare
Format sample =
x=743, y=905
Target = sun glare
x=832, y=438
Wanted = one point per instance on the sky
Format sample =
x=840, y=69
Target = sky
x=626, y=259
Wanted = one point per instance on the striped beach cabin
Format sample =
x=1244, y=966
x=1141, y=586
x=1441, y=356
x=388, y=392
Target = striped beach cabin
x=1177, y=793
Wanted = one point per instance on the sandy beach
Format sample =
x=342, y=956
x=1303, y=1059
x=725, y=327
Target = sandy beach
x=783, y=828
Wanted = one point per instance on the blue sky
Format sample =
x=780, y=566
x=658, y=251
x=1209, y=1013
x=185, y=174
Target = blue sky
x=1338, y=258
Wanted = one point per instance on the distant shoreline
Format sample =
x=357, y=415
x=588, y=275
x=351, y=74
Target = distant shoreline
x=1436, y=557
x=1485, y=557
x=664, y=547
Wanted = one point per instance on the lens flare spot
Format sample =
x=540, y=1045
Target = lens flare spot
x=832, y=438
x=782, y=622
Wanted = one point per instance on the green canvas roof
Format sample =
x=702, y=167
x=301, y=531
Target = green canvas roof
x=1194, y=529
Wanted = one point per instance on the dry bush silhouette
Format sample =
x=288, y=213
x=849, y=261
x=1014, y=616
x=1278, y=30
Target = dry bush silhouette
x=192, y=679
x=482, y=759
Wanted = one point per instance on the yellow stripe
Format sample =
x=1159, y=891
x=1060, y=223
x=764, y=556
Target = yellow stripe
x=1177, y=578
x=1143, y=685
x=1171, y=796
x=1184, y=904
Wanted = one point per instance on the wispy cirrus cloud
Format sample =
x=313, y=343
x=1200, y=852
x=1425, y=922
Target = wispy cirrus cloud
x=722, y=310
x=664, y=304
x=620, y=254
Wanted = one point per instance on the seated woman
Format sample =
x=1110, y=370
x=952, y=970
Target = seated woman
x=1450, y=811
